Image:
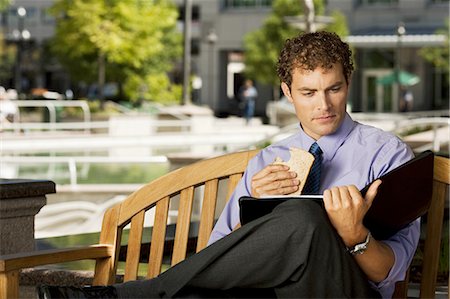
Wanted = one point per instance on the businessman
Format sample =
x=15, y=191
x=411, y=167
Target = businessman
x=303, y=249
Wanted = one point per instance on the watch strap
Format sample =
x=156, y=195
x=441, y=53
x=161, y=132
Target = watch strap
x=360, y=247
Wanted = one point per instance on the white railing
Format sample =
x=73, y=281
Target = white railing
x=180, y=120
x=51, y=105
x=434, y=122
x=397, y=126
x=87, y=126
x=153, y=141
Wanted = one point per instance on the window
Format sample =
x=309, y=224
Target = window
x=46, y=17
x=379, y=1
x=195, y=13
x=238, y=4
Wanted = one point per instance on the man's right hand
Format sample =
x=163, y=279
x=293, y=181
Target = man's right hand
x=274, y=180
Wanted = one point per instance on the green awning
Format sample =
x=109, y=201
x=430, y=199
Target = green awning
x=404, y=78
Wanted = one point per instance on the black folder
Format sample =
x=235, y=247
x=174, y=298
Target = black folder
x=403, y=196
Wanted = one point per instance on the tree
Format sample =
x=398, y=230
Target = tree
x=438, y=56
x=124, y=41
x=7, y=53
x=4, y=4
x=263, y=46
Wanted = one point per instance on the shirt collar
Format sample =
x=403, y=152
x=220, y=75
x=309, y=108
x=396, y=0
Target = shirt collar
x=330, y=143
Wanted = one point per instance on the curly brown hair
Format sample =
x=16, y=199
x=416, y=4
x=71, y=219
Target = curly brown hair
x=311, y=50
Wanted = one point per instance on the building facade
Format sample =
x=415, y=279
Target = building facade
x=387, y=35
x=218, y=28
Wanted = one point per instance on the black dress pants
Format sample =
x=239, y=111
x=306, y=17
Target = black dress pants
x=293, y=252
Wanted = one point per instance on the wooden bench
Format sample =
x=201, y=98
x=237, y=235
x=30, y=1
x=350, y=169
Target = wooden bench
x=203, y=176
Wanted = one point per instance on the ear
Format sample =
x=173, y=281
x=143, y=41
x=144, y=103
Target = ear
x=286, y=91
x=349, y=80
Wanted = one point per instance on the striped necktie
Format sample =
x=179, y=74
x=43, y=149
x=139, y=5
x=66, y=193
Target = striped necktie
x=313, y=181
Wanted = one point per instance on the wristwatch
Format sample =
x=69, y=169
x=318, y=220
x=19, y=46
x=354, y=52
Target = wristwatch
x=361, y=247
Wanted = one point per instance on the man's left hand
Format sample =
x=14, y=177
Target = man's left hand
x=346, y=208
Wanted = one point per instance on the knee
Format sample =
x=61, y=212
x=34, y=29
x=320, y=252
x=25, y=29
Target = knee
x=296, y=214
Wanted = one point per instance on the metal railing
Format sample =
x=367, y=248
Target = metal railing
x=51, y=105
x=87, y=126
x=397, y=126
x=179, y=121
x=154, y=142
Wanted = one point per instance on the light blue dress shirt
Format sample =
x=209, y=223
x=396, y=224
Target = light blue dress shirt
x=355, y=154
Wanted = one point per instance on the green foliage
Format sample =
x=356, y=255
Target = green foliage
x=438, y=56
x=97, y=109
x=137, y=38
x=339, y=24
x=443, y=267
x=125, y=174
x=4, y=4
x=153, y=87
x=7, y=54
x=263, y=46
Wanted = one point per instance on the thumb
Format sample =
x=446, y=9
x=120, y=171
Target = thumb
x=372, y=192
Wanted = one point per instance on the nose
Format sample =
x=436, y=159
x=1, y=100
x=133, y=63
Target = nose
x=324, y=101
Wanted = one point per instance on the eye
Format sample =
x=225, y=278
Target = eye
x=335, y=89
x=308, y=93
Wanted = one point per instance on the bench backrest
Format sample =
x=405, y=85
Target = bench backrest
x=179, y=187
x=205, y=175
x=435, y=219
x=433, y=234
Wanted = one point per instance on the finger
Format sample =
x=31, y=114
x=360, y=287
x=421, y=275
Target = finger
x=274, y=182
x=278, y=187
x=372, y=192
x=346, y=198
x=355, y=194
x=275, y=177
x=335, y=197
x=279, y=184
x=280, y=191
x=327, y=200
x=270, y=169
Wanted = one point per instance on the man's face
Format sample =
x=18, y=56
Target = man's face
x=319, y=99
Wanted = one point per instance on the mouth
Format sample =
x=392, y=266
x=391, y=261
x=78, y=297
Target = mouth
x=324, y=118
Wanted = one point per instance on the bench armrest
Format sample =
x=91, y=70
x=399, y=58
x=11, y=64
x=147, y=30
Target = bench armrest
x=19, y=261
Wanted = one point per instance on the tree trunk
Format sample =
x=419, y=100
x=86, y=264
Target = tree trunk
x=308, y=6
x=101, y=77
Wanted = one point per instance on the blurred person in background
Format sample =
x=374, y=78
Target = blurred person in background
x=249, y=94
x=7, y=107
x=406, y=100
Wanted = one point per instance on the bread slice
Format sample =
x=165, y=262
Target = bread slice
x=300, y=162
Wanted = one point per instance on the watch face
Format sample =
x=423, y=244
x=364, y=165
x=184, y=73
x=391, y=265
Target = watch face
x=361, y=247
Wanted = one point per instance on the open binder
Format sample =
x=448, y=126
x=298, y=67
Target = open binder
x=403, y=196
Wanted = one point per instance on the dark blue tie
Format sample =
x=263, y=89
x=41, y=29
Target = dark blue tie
x=313, y=181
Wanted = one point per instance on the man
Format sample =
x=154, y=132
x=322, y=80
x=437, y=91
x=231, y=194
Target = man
x=303, y=249
x=249, y=95
x=406, y=100
x=315, y=71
